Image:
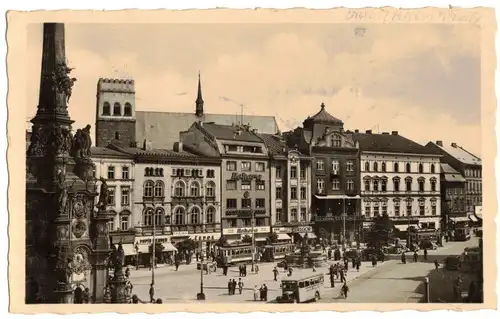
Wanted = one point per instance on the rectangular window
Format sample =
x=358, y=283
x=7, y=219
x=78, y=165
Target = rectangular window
x=303, y=192
x=396, y=209
x=320, y=185
x=293, y=193
x=260, y=203
x=279, y=215
x=396, y=186
x=293, y=172
x=375, y=185
x=320, y=165
x=247, y=222
x=260, y=185
x=335, y=184
x=349, y=166
x=111, y=196
x=408, y=209
x=260, y=167
x=230, y=185
x=376, y=211
x=111, y=172
x=350, y=185
x=293, y=212
x=408, y=185
x=367, y=186
x=303, y=213
x=230, y=203
x=230, y=166
x=302, y=173
x=434, y=210
x=278, y=172
x=125, y=172
x=368, y=212
x=421, y=210
x=246, y=203
x=246, y=166
x=384, y=209
x=335, y=166
x=124, y=223
x=231, y=223
x=111, y=226
x=278, y=193
x=384, y=185
x=125, y=196
x=246, y=185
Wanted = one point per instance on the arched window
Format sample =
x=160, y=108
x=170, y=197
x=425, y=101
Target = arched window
x=159, y=189
x=433, y=184
x=384, y=167
x=375, y=167
x=117, y=109
x=396, y=180
x=420, y=168
x=106, y=109
x=408, y=168
x=179, y=189
x=367, y=166
x=396, y=167
x=148, y=217
x=433, y=168
x=194, y=216
x=210, y=215
x=210, y=189
x=179, y=215
x=148, y=189
x=159, y=213
x=421, y=184
x=408, y=182
x=194, y=189
x=127, y=110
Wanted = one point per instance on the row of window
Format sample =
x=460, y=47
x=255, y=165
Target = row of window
x=124, y=196
x=244, y=222
x=232, y=203
x=473, y=173
x=124, y=224
x=335, y=165
x=374, y=167
x=377, y=210
x=293, y=193
x=245, y=166
x=157, y=189
x=320, y=185
x=242, y=148
x=473, y=186
x=373, y=184
x=280, y=217
x=232, y=185
x=117, y=109
x=293, y=172
x=180, y=216
x=112, y=172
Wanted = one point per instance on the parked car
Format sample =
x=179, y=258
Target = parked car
x=428, y=245
x=453, y=263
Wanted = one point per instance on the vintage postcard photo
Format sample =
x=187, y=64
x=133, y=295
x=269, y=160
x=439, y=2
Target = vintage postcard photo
x=239, y=160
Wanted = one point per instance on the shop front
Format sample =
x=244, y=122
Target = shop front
x=236, y=234
x=295, y=233
x=127, y=239
x=143, y=243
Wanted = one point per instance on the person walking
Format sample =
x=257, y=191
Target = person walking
x=425, y=253
x=332, y=280
x=415, y=257
x=255, y=293
x=229, y=287
x=358, y=264
x=345, y=290
x=127, y=273
x=265, y=292
x=403, y=258
x=240, y=286
x=436, y=264
x=234, y=287
x=256, y=269
x=275, y=273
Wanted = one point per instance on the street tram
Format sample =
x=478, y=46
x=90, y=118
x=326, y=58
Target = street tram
x=302, y=289
x=277, y=251
x=242, y=253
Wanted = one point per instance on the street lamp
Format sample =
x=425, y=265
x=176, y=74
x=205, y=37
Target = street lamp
x=252, y=212
x=201, y=295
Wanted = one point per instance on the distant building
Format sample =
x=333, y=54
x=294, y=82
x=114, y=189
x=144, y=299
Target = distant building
x=453, y=203
x=116, y=112
x=335, y=175
x=470, y=167
x=291, y=190
x=244, y=176
x=400, y=178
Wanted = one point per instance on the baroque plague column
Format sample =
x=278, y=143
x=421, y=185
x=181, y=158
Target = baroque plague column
x=67, y=245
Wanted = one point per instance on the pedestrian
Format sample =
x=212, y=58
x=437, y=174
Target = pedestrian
x=332, y=280
x=436, y=264
x=345, y=290
x=403, y=258
x=152, y=293
x=275, y=273
x=261, y=290
x=265, y=292
x=425, y=253
x=229, y=287
x=358, y=264
x=240, y=286
x=240, y=271
x=415, y=256
x=353, y=263
x=346, y=264
x=127, y=273
x=197, y=255
x=342, y=276
x=86, y=295
x=329, y=254
x=177, y=263
x=290, y=271
x=234, y=286
x=245, y=270
x=255, y=293
x=257, y=269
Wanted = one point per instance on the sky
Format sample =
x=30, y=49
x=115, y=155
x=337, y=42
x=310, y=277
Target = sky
x=422, y=80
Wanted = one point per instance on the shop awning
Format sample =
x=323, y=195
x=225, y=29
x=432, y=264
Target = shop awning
x=283, y=237
x=143, y=248
x=128, y=249
x=473, y=218
x=460, y=219
x=260, y=239
x=311, y=235
x=337, y=197
x=401, y=227
x=169, y=247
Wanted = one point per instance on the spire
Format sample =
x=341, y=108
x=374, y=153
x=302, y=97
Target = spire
x=199, y=99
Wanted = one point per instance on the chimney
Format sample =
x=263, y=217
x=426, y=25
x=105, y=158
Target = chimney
x=439, y=143
x=368, y=131
x=394, y=132
x=147, y=146
x=133, y=144
x=356, y=131
x=454, y=145
x=254, y=130
x=178, y=147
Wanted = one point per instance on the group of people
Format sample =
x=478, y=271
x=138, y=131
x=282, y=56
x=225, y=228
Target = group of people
x=260, y=293
x=232, y=285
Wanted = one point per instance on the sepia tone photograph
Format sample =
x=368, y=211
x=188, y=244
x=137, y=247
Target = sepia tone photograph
x=255, y=163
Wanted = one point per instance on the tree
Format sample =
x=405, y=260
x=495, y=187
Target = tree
x=187, y=245
x=246, y=239
x=158, y=249
x=323, y=234
x=380, y=232
x=272, y=238
x=222, y=241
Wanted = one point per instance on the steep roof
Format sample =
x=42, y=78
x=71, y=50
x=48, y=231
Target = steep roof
x=450, y=174
x=460, y=154
x=275, y=144
x=163, y=128
x=390, y=143
x=231, y=132
x=323, y=117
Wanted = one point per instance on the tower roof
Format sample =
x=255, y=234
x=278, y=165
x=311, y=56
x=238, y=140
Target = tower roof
x=323, y=117
x=199, y=98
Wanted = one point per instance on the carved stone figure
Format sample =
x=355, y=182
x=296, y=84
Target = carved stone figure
x=103, y=194
x=77, y=146
x=62, y=82
x=87, y=141
x=36, y=147
x=68, y=140
x=79, y=228
x=62, y=192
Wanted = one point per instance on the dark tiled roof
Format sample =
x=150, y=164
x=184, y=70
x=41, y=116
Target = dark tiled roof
x=274, y=143
x=231, y=132
x=162, y=128
x=105, y=152
x=391, y=143
x=323, y=117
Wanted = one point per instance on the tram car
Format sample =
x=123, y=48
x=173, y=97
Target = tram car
x=277, y=251
x=233, y=254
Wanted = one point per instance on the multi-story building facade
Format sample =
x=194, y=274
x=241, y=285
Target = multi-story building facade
x=290, y=187
x=245, y=184
x=335, y=175
x=400, y=178
x=453, y=203
x=470, y=167
x=177, y=197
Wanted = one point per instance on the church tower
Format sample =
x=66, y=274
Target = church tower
x=115, y=111
x=199, y=100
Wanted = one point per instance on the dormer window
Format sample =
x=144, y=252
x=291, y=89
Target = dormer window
x=336, y=141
